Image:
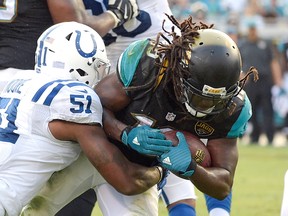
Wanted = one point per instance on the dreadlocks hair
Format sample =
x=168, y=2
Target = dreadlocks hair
x=174, y=51
x=252, y=70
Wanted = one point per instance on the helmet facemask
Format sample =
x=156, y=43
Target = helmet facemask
x=101, y=67
x=208, y=101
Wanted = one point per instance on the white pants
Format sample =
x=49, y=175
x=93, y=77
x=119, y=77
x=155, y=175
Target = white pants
x=177, y=189
x=69, y=183
x=80, y=176
x=284, y=207
x=113, y=203
x=26, y=166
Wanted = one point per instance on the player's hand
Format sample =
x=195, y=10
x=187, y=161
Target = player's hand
x=146, y=140
x=179, y=159
x=123, y=10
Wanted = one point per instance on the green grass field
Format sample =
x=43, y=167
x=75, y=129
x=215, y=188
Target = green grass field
x=258, y=184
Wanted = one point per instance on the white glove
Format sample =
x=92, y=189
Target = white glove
x=122, y=10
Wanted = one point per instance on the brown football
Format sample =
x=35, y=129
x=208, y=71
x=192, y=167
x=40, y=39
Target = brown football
x=197, y=148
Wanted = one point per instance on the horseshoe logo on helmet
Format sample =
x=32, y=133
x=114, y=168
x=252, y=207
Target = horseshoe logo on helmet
x=78, y=47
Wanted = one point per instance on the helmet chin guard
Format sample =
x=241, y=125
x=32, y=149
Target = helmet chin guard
x=71, y=50
x=196, y=113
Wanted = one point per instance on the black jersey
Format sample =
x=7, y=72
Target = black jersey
x=21, y=23
x=158, y=108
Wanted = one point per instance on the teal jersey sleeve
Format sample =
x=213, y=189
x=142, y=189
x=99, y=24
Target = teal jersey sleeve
x=239, y=127
x=129, y=60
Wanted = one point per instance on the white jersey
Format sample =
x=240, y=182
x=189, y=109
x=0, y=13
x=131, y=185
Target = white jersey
x=146, y=25
x=29, y=152
x=153, y=12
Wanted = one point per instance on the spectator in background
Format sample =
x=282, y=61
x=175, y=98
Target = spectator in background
x=199, y=11
x=214, y=7
x=280, y=94
x=180, y=8
x=232, y=6
x=272, y=9
x=258, y=52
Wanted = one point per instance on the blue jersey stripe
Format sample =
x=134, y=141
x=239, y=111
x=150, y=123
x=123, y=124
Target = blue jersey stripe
x=52, y=94
x=72, y=84
x=39, y=93
x=48, y=100
x=7, y=134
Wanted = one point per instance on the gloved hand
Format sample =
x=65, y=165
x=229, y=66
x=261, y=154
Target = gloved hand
x=146, y=140
x=122, y=10
x=179, y=159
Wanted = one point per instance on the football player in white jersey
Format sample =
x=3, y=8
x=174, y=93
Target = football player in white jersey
x=147, y=24
x=50, y=115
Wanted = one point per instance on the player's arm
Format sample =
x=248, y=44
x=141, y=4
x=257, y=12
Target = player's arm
x=217, y=180
x=114, y=98
x=126, y=177
x=74, y=10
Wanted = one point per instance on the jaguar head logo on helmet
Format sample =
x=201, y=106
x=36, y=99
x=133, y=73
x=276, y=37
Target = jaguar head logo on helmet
x=78, y=53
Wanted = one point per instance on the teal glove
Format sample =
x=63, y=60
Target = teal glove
x=179, y=159
x=146, y=140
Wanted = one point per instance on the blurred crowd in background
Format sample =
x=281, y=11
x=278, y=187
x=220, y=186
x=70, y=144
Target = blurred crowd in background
x=268, y=21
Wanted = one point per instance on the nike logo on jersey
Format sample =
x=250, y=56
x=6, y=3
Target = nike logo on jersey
x=167, y=161
x=83, y=91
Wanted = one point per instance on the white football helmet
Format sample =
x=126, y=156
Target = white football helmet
x=72, y=50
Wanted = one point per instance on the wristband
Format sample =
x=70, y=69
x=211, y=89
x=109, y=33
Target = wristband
x=124, y=134
x=160, y=170
x=191, y=170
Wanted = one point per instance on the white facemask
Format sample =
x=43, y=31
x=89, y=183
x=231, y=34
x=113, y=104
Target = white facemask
x=197, y=113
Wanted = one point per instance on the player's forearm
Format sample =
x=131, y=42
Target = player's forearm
x=215, y=182
x=141, y=179
x=102, y=23
x=67, y=10
x=113, y=127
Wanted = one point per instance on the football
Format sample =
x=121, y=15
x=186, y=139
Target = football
x=197, y=148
